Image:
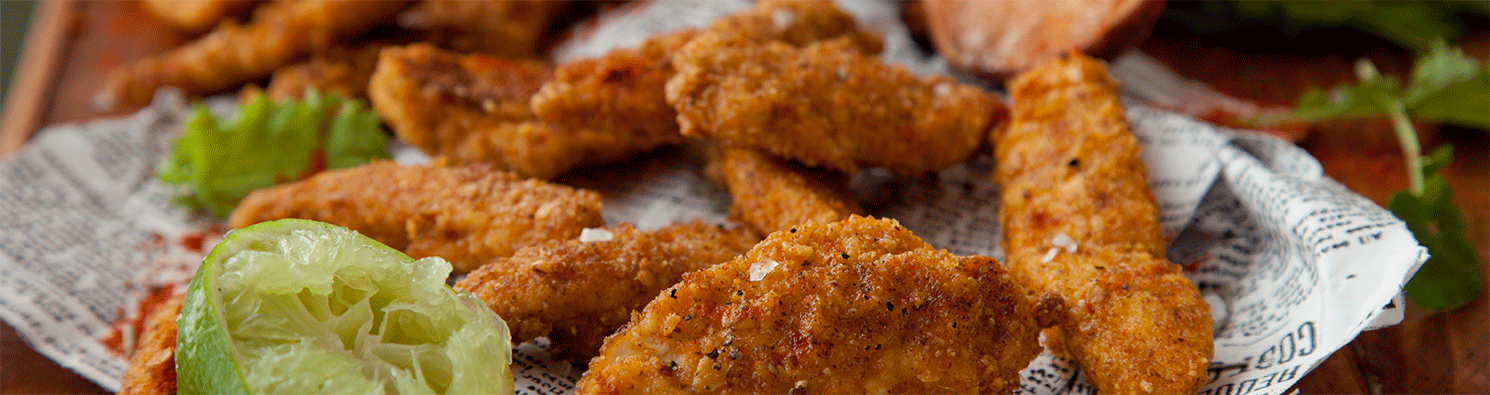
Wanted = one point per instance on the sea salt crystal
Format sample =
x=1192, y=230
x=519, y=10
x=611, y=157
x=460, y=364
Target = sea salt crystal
x=1049, y=255
x=1063, y=240
x=595, y=234
x=782, y=18
x=759, y=269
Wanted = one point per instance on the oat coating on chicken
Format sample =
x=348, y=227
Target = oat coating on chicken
x=505, y=28
x=856, y=306
x=280, y=33
x=1068, y=165
x=771, y=195
x=826, y=104
x=152, y=368
x=577, y=292
x=621, y=93
x=468, y=215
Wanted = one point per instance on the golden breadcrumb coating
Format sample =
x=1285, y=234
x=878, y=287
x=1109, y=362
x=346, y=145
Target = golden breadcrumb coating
x=857, y=306
x=474, y=108
x=468, y=215
x=281, y=32
x=577, y=292
x=796, y=22
x=771, y=195
x=619, y=93
x=435, y=100
x=826, y=104
x=195, y=15
x=152, y=368
x=1069, y=165
x=622, y=94
x=509, y=29
x=341, y=71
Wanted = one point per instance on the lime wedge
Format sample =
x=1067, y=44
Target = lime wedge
x=298, y=307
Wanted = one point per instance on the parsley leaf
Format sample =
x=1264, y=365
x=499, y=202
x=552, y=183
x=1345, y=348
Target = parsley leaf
x=218, y=162
x=1449, y=87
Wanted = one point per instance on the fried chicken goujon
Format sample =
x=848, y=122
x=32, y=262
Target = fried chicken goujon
x=826, y=104
x=1068, y=165
x=856, y=306
x=621, y=93
x=281, y=32
x=770, y=195
x=577, y=292
x=468, y=215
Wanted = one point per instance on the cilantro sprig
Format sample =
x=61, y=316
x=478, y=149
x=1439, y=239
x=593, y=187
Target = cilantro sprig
x=217, y=162
x=1447, y=86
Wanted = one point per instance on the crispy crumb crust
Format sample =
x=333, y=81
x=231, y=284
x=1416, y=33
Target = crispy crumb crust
x=467, y=214
x=1068, y=165
x=622, y=93
x=578, y=292
x=771, y=195
x=856, y=306
x=826, y=104
x=231, y=54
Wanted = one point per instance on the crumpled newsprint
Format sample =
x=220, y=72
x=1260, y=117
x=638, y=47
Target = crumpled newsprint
x=1294, y=264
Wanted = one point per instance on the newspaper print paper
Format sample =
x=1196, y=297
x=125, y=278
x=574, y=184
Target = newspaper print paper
x=1298, y=264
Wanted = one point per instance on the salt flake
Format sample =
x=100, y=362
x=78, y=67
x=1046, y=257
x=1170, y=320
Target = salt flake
x=595, y=234
x=759, y=269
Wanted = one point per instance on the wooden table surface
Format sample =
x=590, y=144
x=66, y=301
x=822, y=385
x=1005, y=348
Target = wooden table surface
x=73, y=44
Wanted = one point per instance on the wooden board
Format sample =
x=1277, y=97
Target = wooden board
x=73, y=44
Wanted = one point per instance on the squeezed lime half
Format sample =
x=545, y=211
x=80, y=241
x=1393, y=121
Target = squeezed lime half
x=297, y=307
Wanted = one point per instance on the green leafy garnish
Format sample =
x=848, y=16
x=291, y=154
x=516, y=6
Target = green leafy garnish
x=1449, y=87
x=221, y=161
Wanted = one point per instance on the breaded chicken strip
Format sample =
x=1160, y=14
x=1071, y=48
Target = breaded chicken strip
x=619, y=94
x=195, y=15
x=341, y=71
x=577, y=292
x=474, y=108
x=827, y=104
x=1068, y=165
x=152, y=368
x=505, y=28
x=852, y=307
x=281, y=32
x=622, y=93
x=436, y=100
x=468, y=215
x=772, y=195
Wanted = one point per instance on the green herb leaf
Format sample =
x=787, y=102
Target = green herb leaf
x=1451, y=276
x=219, y=162
x=1356, y=101
x=1440, y=158
x=1452, y=88
x=1437, y=70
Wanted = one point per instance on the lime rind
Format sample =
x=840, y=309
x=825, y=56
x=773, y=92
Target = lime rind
x=296, y=306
